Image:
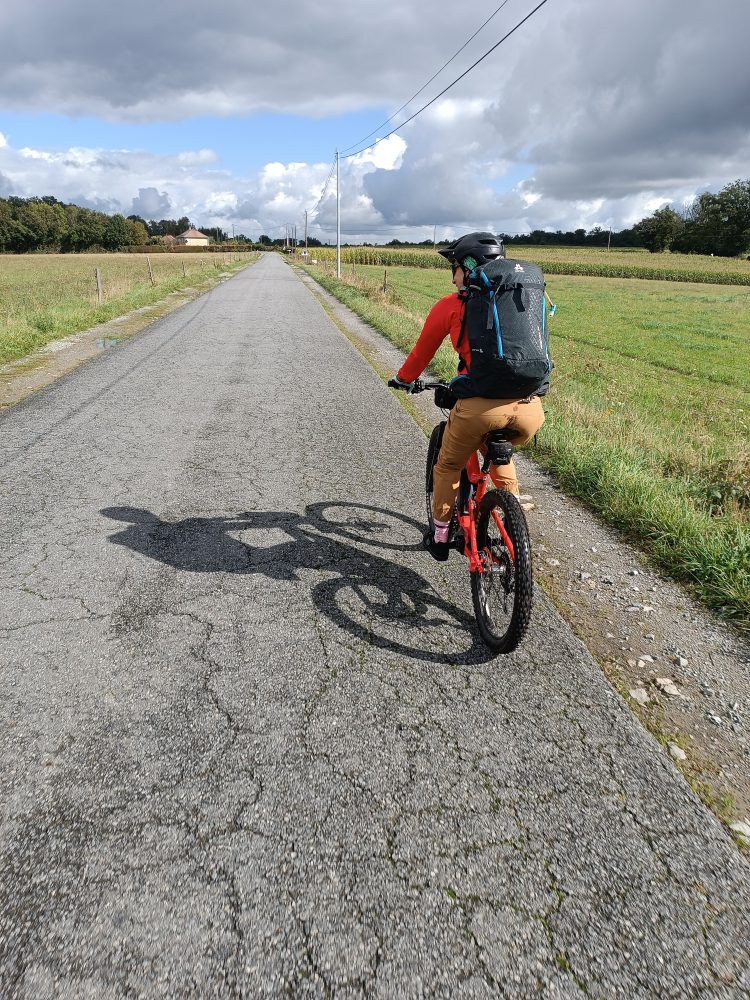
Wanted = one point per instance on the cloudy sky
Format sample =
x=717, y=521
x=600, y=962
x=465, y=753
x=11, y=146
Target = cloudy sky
x=594, y=112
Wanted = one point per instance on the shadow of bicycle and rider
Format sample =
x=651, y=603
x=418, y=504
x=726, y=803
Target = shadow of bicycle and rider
x=381, y=601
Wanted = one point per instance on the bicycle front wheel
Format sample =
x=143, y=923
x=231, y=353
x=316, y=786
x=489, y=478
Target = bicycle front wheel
x=503, y=592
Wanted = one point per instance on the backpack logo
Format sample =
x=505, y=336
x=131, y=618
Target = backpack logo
x=518, y=268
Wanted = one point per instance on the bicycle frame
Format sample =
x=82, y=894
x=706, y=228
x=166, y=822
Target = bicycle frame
x=501, y=574
x=478, y=477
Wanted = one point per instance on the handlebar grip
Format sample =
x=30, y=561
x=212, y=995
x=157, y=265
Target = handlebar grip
x=416, y=386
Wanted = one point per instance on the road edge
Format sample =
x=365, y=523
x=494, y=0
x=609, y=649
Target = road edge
x=701, y=766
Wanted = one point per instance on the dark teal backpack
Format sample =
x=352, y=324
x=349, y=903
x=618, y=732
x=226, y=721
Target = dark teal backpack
x=505, y=320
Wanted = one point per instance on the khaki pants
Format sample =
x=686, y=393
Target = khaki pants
x=468, y=423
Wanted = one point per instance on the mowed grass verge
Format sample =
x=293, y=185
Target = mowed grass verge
x=648, y=420
x=47, y=296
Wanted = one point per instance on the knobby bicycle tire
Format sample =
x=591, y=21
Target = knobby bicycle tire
x=503, y=593
x=436, y=439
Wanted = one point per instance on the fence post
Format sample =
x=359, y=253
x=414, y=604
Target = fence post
x=385, y=280
x=150, y=272
x=99, y=292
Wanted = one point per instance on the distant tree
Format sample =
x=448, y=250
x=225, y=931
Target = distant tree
x=659, y=231
x=626, y=238
x=45, y=224
x=214, y=232
x=265, y=241
x=597, y=237
x=85, y=229
x=720, y=223
x=116, y=233
x=138, y=233
x=13, y=235
x=168, y=227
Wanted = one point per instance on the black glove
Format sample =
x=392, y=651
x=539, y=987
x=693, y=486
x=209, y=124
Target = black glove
x=396, y=383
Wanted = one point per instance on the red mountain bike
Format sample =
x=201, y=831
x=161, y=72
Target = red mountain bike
x=489, y=527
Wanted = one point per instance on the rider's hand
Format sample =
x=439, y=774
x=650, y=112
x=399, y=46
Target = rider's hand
x=396, y=383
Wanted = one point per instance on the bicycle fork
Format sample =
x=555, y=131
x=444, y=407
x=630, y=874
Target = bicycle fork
x=467, y=525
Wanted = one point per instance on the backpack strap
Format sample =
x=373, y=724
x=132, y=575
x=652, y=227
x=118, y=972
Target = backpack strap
x=461, y=334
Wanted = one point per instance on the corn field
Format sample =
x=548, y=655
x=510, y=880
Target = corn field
x=565, y=260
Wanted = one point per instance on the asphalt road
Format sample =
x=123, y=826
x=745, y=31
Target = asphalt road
x=251, y=744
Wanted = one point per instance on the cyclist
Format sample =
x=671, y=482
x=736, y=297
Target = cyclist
x=471, y=419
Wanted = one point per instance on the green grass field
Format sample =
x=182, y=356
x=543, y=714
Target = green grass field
x=46, y=296
x=648, y=420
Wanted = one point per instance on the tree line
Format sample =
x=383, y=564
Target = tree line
x=45, y=224
x=711, y=224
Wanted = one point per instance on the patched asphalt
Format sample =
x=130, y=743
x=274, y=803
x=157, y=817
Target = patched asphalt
x=251, y=742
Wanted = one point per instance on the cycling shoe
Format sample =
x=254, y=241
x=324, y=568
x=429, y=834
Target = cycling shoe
x=438, y=550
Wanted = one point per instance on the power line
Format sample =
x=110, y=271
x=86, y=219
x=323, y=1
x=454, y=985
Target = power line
x=325, y=187
x=450, y=85
x=426, y=85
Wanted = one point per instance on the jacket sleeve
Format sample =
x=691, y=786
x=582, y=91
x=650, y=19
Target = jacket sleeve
x=436, y=328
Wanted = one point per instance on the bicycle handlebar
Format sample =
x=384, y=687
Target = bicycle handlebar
x=417, y=386
x=420, y=386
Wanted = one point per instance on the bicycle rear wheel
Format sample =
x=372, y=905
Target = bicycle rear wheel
x=433, y=448
x=503, y=592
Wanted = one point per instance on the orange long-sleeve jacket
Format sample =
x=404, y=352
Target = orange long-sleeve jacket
x=444, y=319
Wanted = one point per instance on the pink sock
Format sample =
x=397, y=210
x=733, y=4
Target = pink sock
x=441, y=530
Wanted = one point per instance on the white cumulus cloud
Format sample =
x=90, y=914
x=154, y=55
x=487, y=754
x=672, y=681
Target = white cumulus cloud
x=589, y=115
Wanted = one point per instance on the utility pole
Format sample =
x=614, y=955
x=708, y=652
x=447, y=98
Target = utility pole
x=434, y=237
x=338, y=219
x=305, y=229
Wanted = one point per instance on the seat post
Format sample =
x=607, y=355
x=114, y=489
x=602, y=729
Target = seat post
x=499, y=448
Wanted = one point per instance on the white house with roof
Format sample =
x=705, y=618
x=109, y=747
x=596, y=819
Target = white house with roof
x=193, y=238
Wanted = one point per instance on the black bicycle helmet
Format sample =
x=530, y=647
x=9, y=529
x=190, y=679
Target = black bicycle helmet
x=474, y=249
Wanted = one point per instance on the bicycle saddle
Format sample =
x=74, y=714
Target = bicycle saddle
x=499, y=447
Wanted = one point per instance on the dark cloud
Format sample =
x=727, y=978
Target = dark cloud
x=428, y=192
x=85, y=200
x=589, y=113
x=152, y=204
x=153, y=61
